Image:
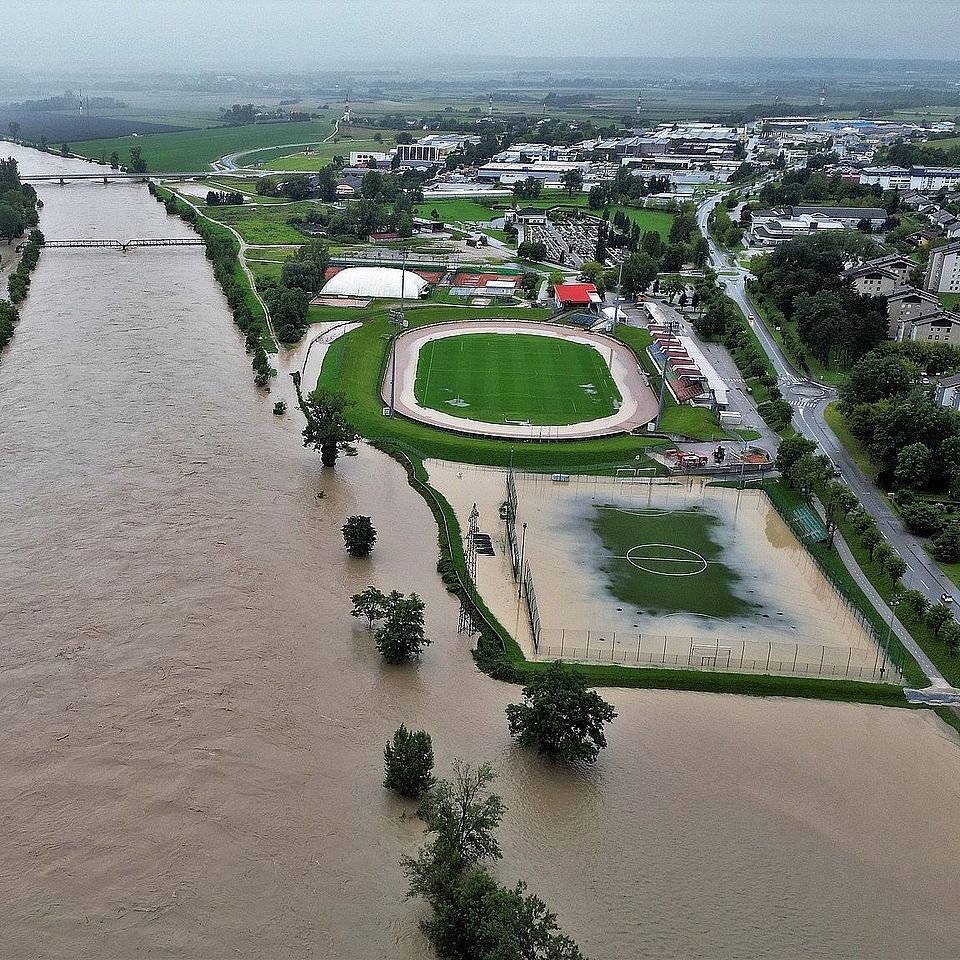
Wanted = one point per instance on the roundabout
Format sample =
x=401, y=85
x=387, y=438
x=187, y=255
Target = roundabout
x=524, y=380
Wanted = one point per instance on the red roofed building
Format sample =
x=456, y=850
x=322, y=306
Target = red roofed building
x=567, y=295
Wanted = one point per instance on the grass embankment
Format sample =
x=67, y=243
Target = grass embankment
x=856, y=448
x=197, y=149
x=356, y=363
x=499, y=655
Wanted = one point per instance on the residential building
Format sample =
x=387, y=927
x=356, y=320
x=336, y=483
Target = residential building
x=948, y=392
x=908, y=303
x=943, y=269
x=880, y=277
x=921, y=179
x=942, y=326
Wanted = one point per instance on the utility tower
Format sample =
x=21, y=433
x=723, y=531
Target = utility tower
x=470, y=555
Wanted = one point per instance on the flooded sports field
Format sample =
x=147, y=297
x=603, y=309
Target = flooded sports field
x=662, y=567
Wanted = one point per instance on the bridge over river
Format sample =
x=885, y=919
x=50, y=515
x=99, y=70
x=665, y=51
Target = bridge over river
x=124, y=245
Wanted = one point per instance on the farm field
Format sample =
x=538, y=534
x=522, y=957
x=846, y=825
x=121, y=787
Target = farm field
x=502, y=378
x=197, y=149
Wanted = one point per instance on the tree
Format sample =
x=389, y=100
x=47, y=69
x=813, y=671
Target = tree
x=408, y=763
x=792, y=448
x=114, y=160
x=562, y=718
x=896, y=567
x=573, y=181
x=922, y=518
x=479, y=919
x=137, y=162
x=809, y=473
x=915, y=601
x=371, y=604
x=914, y=466
x=359, y=536
x=462, y=816
x=871, y=539
x=400, y=638
x=327, y=429
x=937, y=616
x=946, y=544
x=639, y=271
x=11, y=223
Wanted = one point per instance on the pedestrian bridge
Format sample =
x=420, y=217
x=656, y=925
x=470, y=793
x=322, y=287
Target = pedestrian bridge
x=128, y=244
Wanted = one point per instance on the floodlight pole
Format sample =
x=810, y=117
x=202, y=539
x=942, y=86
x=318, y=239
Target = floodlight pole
x=616, y=306
x=523, y=543
x=663, y=386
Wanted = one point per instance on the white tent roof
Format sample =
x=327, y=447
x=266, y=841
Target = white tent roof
x=374, y=282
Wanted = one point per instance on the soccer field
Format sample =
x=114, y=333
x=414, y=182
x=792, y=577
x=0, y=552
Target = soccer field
x=667, y=561
x=515, y=377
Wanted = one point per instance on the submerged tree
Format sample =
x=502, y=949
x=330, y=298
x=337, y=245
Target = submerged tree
x=359, y=536
x=327, y=430
x=408, y=763
x=562, y=718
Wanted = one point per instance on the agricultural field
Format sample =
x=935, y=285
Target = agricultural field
x=502, y=378
x=197, y=149
x=460, y=210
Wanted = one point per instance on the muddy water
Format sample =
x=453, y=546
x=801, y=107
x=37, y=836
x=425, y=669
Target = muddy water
x=193, y=724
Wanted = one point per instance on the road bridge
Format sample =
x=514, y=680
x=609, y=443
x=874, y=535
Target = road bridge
x=118, y=176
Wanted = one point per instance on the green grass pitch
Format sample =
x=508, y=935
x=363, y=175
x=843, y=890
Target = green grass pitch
x=667, y=561
x=515, y=377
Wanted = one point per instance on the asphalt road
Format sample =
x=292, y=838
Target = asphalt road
x=809, y=398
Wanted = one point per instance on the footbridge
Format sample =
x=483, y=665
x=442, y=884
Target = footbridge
x=124, y=245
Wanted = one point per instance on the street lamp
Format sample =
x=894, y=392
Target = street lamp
x=886, y=643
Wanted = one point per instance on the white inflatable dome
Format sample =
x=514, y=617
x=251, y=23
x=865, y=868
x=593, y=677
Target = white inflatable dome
x=375, y=282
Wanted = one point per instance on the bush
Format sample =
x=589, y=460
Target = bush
x=946, y=544
x=280, y=408
x=408, y=763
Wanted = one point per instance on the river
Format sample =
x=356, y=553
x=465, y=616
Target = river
x=193, y=723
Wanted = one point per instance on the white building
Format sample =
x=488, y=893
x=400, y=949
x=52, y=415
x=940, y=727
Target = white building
x=360, y=158
x=943, y=269
x=376, y=282
x=948, y=392
x=920, y=179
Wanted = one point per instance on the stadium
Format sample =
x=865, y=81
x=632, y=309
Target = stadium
x=522, y=380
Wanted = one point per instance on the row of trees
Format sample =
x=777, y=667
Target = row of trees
x=224, y=198
x=18, y=202
x=811, y=474
x=811, y=185
x=288, y=296
x=626, y=187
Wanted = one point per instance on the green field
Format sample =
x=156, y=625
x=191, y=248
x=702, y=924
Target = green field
x=197, y=149
x=666, y=561
x=510, y=377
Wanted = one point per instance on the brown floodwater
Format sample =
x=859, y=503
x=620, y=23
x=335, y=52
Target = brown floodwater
x=193, y=724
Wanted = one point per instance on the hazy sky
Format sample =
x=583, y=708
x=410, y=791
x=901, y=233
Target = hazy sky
x=302, y=35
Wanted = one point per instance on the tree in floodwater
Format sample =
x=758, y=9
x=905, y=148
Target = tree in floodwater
x=408, y=763
x=562, y=718
x=359, y=536
x=327, y=430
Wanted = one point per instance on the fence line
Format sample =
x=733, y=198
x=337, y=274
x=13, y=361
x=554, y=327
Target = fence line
x=852, y=604
x=532, y=609
x=702, y=653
